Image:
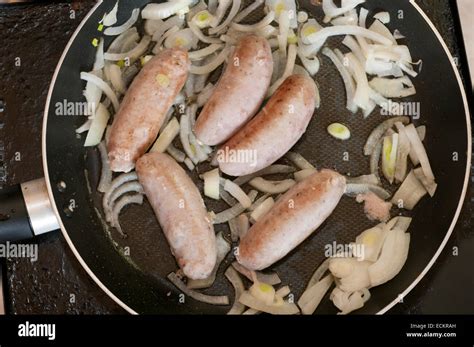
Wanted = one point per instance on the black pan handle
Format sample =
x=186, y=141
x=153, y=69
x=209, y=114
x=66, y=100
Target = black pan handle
x=26, y=211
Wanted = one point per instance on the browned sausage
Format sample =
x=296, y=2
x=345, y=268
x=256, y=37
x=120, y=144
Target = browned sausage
x=143, y=110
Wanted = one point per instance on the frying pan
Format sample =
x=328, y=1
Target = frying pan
x=133, y=270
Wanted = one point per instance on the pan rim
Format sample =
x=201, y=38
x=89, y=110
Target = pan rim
x=382, y=311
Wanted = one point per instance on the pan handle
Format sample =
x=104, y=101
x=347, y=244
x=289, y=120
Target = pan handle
x=26, y=211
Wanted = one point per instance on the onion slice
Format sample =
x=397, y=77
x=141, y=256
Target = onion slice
x=380, y=131
x=271, y=279
x=99, y=82
x=234, y=278
x=272, y=187
x=105, y=172
x=124, y=201
x=271, y=170
x=212, y=300
x=311, y=298
x=114, y=31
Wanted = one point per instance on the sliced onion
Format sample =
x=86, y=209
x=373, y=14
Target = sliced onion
x=111, y=17
x=331, y=10
x=233, y=212
x=205, y=95
x=352, y=273
x=233, y=12
x=392, y=258
x=185, y=131
x=389, y=156
x=383, y=17
x=223, y=248
x=202, y=53
x=366, y=179
x=212, y=300
x=379, y=132
x=248, y=10
x=346, y=77
x=239, y=227
x=318, y=274
x=125, y=40
x=318, y=39
x=397, y=35
x=177, y=155
x=201, y=36
x=271, y=279
x=151, y=26
x=84, y=127
x=116, y=183
x=97, y=129
x=129, y=187
x=214, y=64
x=372, y=241
x=189, y=164
x=132, y=55
x=283, y=309
x=361, y=96
x=393, y=88
x=272, y=187
x=278, y=6
x=136, y=199
x=236, y=281
x=166, y=137
x=116, y=78
x=430, y=186
x=222, y=7
x=234, y=190
x=212, y=184
x=165, y=9
x=378, y=27
x=349, y=18
x=420, y=151
x=102, y=86
x=348, y=302
x=267, y=20
x=311, y=298
x=304, y=174
x=299, y=161
x=262, y=210
x=357, y=189
x=404, y=149
x=410, y=193
x=114, y=31
x=105, y=173
x=183, y=39
x=290, y=65
x=176, y=21
x=353, y=45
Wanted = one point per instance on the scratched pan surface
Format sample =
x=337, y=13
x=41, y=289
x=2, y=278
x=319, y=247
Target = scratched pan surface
x=134, y=270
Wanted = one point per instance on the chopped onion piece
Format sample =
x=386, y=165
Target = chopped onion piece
x=212, y=300
x=379, y=132
x=102, y=86
x=129, y=187
x=203, y=19
x=271, y=170
x=272, y=187
x=236, y=281
x=284, y=308
x=278, y=6
x=219, y=60
x=234, y=190
x=105, y=172
x=183, y=39
x=430, y=186
x=271, y=279
x=262, y=210
x=111, y=17
x=378, y=27
x=339, y=131
x=153, y=25
x=205, y=95
x=290, y=65
x=361, y=96
x=346, y=77
x=233, y=212
x=389, y=157
x=175, y=21
x=166, y=137
x=84, y=127
x=397, y=35
x=212, y=184
x=392, y=258
x=133, y=54
x=223, y=6
x=136, y=199
x=404, y=149
x=312, y=65
x=384, y=17
x=267, y=20
x=357, y=189
x=302, y=17
x=263, y=292
x=201, y=36
x=393, y=88
x=198, y=55
x=352, y=274
x=420, y=151
x=233, y=12
x=165, y=9
x=367, y=179
x=248, y=10
x=177, y=155
x=311, y=298
x=349, y=18
x=304, y=174
x=97, y=129
x=114, y=31
x=353, y=45
x=299, y=161
x=349, y=302
x=372, y=241
x=410, y=193
x=115, y=75
x=331, y=10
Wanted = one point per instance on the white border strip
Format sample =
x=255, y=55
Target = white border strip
x=383, y=311
x=46, y=171
x=468, y=170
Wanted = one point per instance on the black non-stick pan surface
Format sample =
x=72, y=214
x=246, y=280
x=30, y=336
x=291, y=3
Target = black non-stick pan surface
x=133, y=270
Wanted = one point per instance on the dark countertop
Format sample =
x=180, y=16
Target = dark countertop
x=47, y=286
